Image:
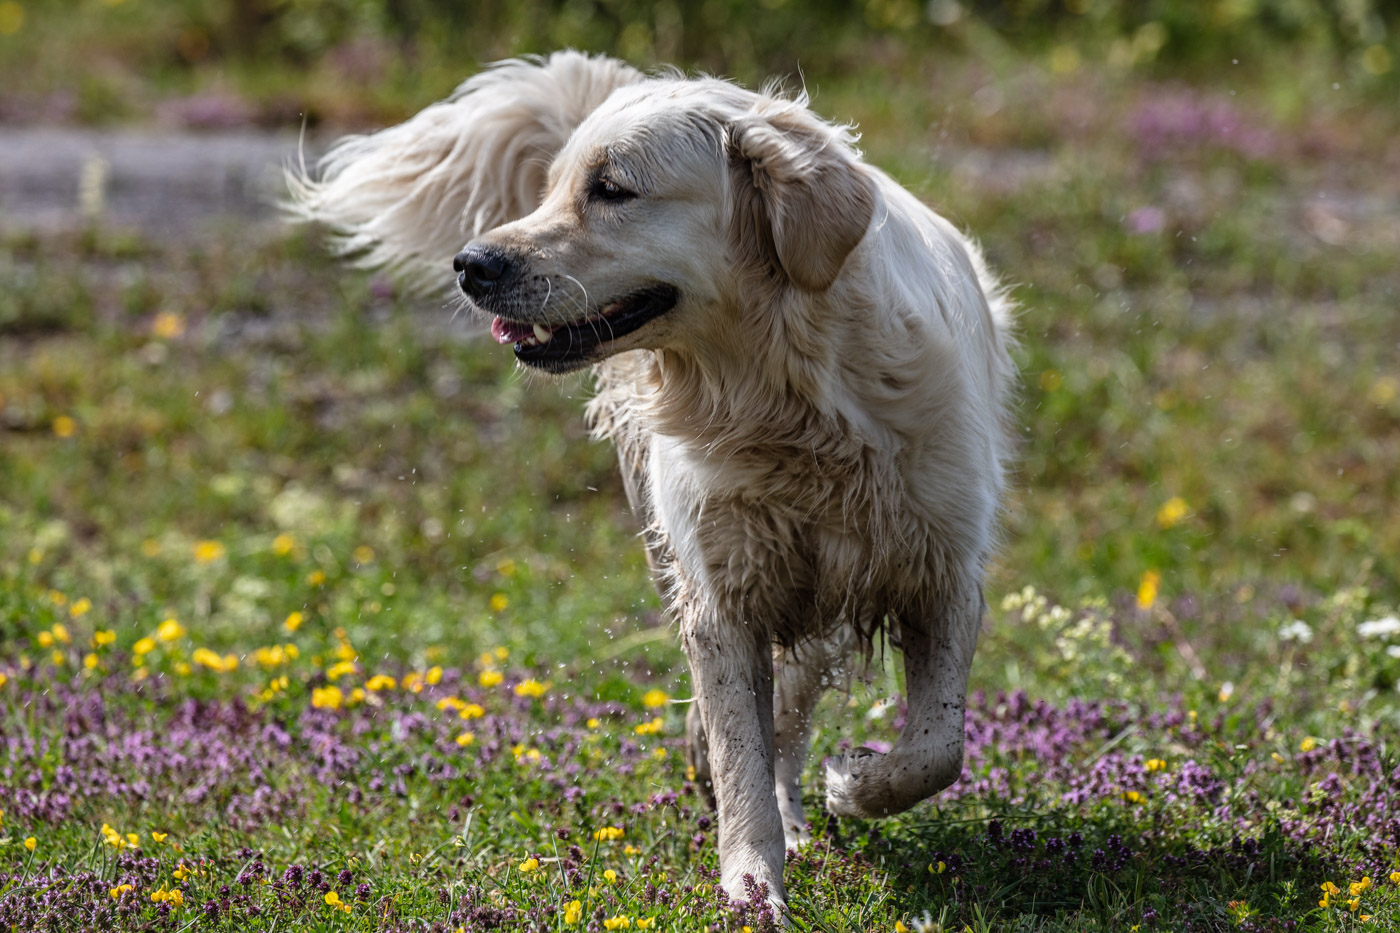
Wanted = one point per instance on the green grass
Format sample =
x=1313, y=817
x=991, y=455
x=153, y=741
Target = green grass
x=358, y=460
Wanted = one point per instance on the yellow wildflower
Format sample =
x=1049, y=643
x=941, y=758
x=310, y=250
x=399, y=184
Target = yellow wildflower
x=617, y=923
x=1133, y=796
x=1354, y=903
x=181, y=872
x=219, y=664
x=529, y=865
x=380, y=682
x=451, y=703
x=118, y=891
x=316, y=578
x=1155, y=764
x=169, y=630
x=292, y=622
x=339, y=669
x=143, y=646
x=499, y=601
x=1359, y=887
x=363, y=554
x=653, y=727
x=168, y=325
x=159, y=837
x=45, y=639
x=573, y=913
x=490, y=678
x=529, y=687
x=1147, y=589
x=610, y=876
x=64, y=426
x=283, y=544
x=206, y=552
x=327, y=697
x=90, y=661
x=659, y=754
x=333, y=899
x=609, y=834
x=30, y=843
x=1329, y=888
x=899, y=927
x=433, y=675
x=653, y=699
x=80, y=608
x=466, y=738
x=1308, y=744
x=103, y=637
x=646, y=923
x=472, y=711
x=1395, y=877
x=593, y=722
x=1172, y=512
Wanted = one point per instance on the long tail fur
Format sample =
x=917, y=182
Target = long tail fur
x=408, y=197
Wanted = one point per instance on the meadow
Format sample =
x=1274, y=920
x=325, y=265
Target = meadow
x=316, y=614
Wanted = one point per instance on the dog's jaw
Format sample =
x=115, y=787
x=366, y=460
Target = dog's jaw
x=562, y=348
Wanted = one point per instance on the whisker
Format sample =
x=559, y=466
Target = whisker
x=586, y=303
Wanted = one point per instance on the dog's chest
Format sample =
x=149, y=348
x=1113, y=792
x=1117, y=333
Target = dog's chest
x=798, y=539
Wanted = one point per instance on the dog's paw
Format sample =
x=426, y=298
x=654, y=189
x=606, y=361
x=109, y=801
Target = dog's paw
x=845, y=790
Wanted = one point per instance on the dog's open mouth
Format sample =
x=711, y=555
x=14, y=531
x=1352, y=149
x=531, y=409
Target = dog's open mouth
x=561, y=347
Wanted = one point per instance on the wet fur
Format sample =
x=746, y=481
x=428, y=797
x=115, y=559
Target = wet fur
x=814, y=439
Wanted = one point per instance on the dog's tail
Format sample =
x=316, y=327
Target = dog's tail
x=407, y=198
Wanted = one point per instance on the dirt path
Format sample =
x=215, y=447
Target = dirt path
x=161, y=183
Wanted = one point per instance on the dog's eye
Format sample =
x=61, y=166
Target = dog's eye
x=605, y=189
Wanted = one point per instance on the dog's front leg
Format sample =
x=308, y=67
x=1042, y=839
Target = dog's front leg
x=732, y=670
x=938, y=647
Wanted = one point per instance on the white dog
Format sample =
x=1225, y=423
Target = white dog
x=804, y=369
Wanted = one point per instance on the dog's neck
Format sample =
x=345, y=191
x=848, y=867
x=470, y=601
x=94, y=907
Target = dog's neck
x=748, y=392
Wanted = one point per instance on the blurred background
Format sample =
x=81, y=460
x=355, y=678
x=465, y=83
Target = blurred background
x=1195, y=203
x=271, y=62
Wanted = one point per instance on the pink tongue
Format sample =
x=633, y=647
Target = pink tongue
x=504, y=331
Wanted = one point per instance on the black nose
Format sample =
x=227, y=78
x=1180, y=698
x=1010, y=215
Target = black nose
x=480, y=268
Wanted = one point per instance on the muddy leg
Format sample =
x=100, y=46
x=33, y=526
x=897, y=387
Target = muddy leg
x=733, y=677
x=928, y=754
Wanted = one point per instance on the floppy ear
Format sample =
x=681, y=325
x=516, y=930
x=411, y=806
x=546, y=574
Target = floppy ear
x=407, y=198
x=801, y=197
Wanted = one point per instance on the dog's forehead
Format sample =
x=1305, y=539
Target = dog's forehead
x=655, y=123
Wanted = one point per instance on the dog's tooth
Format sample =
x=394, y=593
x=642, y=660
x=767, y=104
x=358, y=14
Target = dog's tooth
x=542, y=333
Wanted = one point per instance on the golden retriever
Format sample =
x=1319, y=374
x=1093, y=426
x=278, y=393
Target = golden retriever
x=804, y=369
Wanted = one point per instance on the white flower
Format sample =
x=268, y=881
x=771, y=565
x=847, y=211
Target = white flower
x=1393, y=651
x=1379, y=628
x=1297, y=630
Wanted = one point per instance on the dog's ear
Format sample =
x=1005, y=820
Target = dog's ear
x=407, y=198
x=802, y=200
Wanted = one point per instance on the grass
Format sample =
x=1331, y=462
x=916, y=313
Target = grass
x=1187, y=721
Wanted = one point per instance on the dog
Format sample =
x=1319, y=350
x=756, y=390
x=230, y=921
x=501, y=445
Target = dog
x=806, y=373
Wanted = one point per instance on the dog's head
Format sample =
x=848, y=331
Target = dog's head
x=667, y=208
